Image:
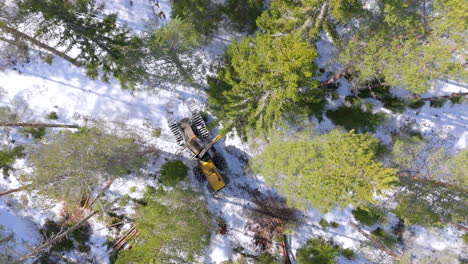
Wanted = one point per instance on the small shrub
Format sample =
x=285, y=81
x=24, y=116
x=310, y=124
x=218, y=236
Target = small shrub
x=8, y=157
x=317, y=251
x=156, y=132
x=150, y=191
x=456, y=100
x=437, y=103
x=348, y=253
x=366, y=217
x=393, y=103
x=323, y=223
x=132, y=189
x=172, y=172
x=112, y=220
x=36, y=132
x=316, y=109
x=388, y=239
x=48, y=58
x=465, y=238
x=416, y=104
x=124, y=200
x=334, y=224
x=355, y=118
x=378, y=91
x=334, y=95
x=52, y=116
x=352, y=99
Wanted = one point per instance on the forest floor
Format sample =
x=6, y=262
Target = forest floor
x=40, y=88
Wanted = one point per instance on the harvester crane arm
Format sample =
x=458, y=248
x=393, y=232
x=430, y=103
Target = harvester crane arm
x=209, y=145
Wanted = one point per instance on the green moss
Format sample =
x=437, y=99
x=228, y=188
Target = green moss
x=124, y=200
x=52, y=116
x=465, y=238
x=132, y=189
x=172, y=172
x=334, y=224
x=355, y=118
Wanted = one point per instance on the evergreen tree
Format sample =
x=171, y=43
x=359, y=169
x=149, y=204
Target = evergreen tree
x=174, y=228
x=7, y=247
x=104, y=46
x=264, y=79
x=335, y=168
x=171, y=46
x=72, y=165
x=309, y=17
x=244, y=13
x=202, y=14
x=434, y=182
x=409, y=43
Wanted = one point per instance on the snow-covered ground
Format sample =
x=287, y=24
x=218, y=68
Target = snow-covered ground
x=65, y=89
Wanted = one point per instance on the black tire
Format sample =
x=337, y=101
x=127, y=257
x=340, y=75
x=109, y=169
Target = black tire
x=219, y=162
x=198, y=173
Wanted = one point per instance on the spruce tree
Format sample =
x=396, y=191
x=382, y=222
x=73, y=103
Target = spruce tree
x=71, y=166
x=409, y=44
x=105, y=48
x=204, y=15
x=433, y=182
x=174, y=228
x=171, y=46
x=264, y=79
x=338, y=168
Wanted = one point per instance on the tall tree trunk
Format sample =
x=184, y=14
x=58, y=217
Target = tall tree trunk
x=18, y=34
x=55, y=239
x=37, y=125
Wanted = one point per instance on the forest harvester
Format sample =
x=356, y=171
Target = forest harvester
x=191, y=133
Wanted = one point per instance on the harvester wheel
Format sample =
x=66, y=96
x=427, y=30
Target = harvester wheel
x=200, y=125
x=175, y=129
x=198, y=173
x=219, y=161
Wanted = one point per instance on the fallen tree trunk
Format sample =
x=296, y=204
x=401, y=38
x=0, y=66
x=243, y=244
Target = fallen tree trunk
x=14, y=190
x=55, y=239
x=37, y=125
x=444, y=97
x=375, y=242
x=335, y=77
x=21, y=35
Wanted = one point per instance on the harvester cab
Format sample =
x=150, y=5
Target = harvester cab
x=191, y=132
